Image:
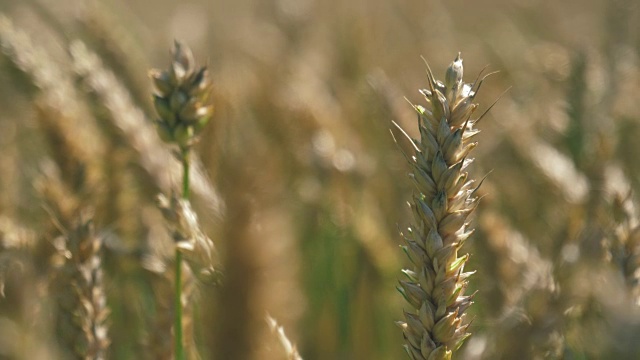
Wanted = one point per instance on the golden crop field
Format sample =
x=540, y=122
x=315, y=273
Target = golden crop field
x=306, y=179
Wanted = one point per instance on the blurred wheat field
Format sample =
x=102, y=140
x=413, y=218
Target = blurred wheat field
x=299, y=184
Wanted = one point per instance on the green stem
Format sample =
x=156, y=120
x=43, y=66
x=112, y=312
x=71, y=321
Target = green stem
x=185, y=174
x=179, y=345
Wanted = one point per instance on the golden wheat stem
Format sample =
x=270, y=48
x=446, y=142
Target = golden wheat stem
x=183, y=102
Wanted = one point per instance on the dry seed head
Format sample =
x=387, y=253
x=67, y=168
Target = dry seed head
x=435, y=327
x=182, y=98
x=82, y=303
x=197, y=248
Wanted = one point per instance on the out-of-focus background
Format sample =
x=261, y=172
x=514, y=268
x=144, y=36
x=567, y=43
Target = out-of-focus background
x=301, y=186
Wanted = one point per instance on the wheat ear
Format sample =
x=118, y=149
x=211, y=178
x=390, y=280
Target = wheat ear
x=435, y=327
x=82, y=323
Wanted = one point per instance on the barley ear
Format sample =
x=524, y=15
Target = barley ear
x=435, y=327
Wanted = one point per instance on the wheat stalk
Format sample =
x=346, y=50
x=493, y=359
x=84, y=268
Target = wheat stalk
x=183, y=103
x=435, y=326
